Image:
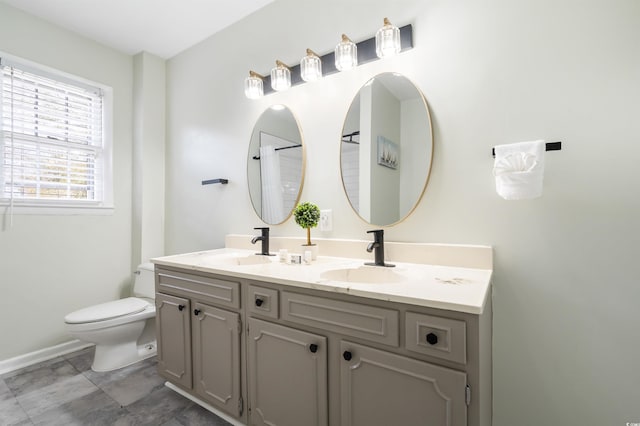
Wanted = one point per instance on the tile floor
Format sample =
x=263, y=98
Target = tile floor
x=65, y=391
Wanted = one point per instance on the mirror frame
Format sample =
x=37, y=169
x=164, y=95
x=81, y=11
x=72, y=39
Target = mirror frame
x=429, y=142
x=303, y=171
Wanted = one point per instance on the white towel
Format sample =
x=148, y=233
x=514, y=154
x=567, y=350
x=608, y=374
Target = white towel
x=519, y=169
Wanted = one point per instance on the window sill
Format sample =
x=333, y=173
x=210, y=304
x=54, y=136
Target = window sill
x=50, y=209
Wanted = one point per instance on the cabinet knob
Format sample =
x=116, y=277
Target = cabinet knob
x=259, y=302
x=196, y=311
x=180, y=307
x=313, y=348
x=432, y=339
x=347, y=355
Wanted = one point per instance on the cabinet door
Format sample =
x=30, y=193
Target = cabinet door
x=173, y=335
x=379, y=388
x=287, y=376
x=216, y=357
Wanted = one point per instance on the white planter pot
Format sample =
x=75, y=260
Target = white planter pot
x=313, y=248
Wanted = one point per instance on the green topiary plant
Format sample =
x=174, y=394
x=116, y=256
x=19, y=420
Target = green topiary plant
x=307, y=216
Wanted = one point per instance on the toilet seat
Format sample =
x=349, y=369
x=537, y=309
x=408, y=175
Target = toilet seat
x=78, y=328
x=107, y=311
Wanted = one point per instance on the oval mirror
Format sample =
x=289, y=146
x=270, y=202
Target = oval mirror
x=386, y=149
x=275, y=165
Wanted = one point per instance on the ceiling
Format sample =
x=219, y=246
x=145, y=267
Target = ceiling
x=161, y=27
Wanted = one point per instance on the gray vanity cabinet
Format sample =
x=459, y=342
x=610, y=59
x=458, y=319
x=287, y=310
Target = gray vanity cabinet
x=278, y=355
x=216, y=357
x=173, y=335
x=199, y=337
x=380, y=388
x=287, y=372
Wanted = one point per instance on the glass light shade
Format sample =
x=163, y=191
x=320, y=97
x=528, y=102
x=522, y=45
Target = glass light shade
x=346, y=54
x=310, y=67
x=253, y=88
x=387, y=40
x=280, y=77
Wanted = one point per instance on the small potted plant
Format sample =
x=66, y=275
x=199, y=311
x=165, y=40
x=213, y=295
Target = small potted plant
x=307, y=215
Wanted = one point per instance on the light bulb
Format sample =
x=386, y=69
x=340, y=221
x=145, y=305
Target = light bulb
x=310, y=66
x=387, y=40
x=280, y=77
x=253, y=88
x=346, y=54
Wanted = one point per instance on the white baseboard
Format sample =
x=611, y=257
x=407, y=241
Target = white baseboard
x=45, y=354
x=234, y=422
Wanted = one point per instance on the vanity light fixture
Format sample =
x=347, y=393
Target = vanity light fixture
x=280, y=76
x=311, y=66
x=387, y=40
x=346, y=54
x=253, y=87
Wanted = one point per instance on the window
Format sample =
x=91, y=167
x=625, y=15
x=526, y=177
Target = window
x=52, y=140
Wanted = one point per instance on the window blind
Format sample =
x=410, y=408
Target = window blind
x=51, y=138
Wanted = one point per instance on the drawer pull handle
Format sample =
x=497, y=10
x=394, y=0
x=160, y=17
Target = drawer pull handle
x=259, y=302
x=196, y=311
x=432, y=339
x=347, y=355
x=180, y=307
x=313, y=348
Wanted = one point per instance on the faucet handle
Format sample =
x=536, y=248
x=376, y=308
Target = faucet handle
x=264, y=230
x=377, y=232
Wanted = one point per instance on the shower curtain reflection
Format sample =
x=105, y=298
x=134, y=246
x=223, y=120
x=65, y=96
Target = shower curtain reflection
x=280, y=176
x=272, y=200
x=275, y=165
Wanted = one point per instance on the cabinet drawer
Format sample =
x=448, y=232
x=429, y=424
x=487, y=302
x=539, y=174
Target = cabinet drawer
x=351, y=319
x=440, y=337
x=263, y=301
x=206, y=289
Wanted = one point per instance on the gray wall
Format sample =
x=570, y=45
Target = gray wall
x=51, y=265
x=566, y=288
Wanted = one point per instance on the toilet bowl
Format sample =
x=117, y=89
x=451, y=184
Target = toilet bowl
x=122, y=330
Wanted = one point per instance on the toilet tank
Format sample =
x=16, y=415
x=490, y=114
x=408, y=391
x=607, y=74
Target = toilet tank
x=144, y=281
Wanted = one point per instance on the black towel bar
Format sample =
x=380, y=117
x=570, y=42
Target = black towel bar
x=550, y=146
x=219, y=180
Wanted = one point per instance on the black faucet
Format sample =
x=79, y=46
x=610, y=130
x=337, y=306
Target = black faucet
x=378, y=245
x=264, y=237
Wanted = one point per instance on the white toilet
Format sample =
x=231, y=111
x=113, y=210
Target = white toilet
x=123, y=330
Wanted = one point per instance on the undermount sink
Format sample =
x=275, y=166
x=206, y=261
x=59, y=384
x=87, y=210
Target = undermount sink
x=234, y=259
x=253, y=259
x=364, y=274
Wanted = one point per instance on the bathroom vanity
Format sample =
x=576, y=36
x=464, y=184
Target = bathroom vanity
x=331, y=343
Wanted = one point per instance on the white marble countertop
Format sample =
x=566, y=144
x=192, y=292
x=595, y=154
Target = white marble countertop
x=443, y=287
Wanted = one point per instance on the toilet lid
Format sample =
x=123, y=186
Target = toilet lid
x=105, y=311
